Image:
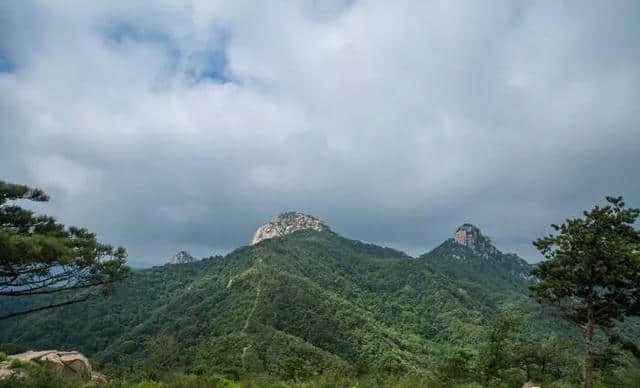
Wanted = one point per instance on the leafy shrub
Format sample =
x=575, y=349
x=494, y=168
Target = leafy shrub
x=15, y=364
x=37, y=376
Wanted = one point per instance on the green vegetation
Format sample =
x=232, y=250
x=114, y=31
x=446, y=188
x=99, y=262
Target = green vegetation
x=592, y=275
x=40, y=376
x=39, y=256
x=313, y=309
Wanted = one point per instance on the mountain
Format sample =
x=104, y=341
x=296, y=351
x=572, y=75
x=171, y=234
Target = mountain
x=181, y=257
x=469, y=256
x=301, y=299
x=471, y=260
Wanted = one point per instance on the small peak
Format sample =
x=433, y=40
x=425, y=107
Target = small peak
x=181, y=257
x=471, y=237
x=287, y=223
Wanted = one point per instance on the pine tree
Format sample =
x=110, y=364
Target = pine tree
x=39, y=256
x=592, y=272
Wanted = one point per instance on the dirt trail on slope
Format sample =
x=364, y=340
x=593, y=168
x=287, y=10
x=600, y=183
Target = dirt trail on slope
x=249, y=316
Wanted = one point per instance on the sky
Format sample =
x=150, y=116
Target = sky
x=166, y=125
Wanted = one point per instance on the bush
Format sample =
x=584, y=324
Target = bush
x=15, y=364
x=195, y=381
x=37, y=376
x=149, y=384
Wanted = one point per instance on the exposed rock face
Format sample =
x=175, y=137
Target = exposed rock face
x=466, y=235
x=470, y=236
x=181, y=257
x=287, y=223
x=69, y=363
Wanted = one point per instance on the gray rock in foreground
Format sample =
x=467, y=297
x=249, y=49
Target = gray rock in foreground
x=68, y=363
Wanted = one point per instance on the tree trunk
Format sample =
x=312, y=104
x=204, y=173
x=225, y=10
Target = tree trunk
x=588, y=359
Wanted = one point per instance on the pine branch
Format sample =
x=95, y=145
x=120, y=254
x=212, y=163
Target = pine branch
x=25, y=312
x=52, y=291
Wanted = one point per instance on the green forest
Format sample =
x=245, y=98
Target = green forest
x=314, y=309
x=330, y=312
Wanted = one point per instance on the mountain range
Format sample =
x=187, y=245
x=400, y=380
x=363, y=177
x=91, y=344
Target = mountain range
x=300, y=299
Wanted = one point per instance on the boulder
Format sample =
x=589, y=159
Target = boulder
x=77, y=363
x=69, y=363
x=6, y=372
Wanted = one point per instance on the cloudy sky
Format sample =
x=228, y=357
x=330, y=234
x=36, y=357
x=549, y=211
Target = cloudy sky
x=166, y=125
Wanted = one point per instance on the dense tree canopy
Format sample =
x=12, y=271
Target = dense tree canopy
x=40, y=256
x=314, y=309
x=592, y=275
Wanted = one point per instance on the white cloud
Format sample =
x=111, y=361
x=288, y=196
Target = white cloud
x=411, y=116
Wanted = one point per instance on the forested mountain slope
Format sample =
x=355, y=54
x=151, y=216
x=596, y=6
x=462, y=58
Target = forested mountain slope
x=294, y=304
x=310, y=297
x=471, y=257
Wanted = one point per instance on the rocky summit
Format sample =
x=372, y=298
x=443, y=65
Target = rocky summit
x=471, y=256
x=181, y=257
x=471, y=237
x=287, y=223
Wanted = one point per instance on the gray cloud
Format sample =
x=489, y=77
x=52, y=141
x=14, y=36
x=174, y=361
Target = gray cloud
x=166, y=127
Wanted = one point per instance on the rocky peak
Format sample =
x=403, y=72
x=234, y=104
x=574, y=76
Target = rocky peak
x=181, y=257
x=287, y=223
x=471, y=237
